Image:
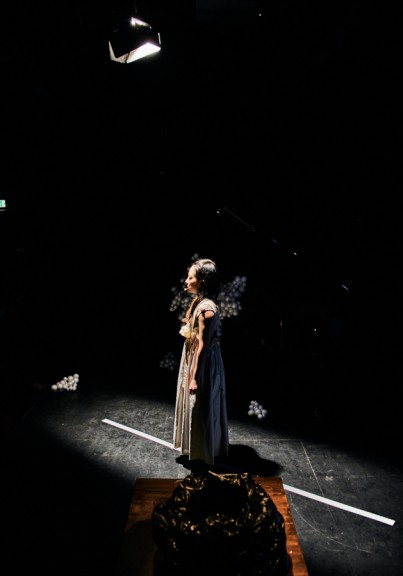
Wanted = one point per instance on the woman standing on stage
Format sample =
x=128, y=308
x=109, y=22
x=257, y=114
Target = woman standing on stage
x=201, y=422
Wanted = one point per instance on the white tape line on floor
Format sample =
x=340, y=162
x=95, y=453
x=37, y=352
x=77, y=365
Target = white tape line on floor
x=138, y=433
x=339, y=505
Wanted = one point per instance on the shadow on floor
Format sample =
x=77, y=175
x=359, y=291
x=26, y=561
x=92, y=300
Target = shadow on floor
x=241, y=458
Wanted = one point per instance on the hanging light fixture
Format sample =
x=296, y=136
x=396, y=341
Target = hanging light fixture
x=132, y=39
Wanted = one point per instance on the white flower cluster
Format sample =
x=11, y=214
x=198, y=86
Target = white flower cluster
x=230, y=297
x=179, y=300
x=256, y=409
x=67, y=383
x=169, y=362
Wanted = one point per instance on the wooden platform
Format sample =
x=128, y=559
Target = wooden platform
x=139, y=554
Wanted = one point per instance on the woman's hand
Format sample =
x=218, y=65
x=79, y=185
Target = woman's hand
x=193, y=387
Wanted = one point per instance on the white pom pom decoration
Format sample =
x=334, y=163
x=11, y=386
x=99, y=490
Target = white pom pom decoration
x=67, y=383
x=256, y=409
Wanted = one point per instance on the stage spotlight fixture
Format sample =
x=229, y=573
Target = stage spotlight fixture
x=132, y=39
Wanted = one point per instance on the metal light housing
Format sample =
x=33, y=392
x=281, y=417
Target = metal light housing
x=132, y=39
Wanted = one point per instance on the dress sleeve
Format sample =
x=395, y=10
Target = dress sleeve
x=206, y=305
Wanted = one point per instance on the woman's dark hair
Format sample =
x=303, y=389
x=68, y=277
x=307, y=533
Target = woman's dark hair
x=208, y=276
x=210, y=285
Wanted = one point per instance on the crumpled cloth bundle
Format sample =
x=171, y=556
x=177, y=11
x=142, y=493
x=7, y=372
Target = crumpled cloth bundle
x=226, y=523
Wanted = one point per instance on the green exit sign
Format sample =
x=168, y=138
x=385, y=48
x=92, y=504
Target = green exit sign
x=2, y=203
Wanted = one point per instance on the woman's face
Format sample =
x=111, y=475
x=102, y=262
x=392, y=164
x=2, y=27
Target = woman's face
x=192, y=283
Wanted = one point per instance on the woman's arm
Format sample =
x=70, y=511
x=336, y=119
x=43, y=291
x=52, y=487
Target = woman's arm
x=203, y=319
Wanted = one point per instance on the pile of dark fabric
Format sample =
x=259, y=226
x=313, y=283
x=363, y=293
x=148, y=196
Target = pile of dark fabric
x=226, y=523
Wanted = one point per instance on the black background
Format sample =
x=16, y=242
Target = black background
x=272, y=144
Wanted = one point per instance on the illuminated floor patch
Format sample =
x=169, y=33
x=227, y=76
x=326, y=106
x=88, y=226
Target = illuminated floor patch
x=138, y=433
x=286, y=487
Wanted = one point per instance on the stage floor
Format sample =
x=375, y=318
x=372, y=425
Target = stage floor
x=70, y=475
